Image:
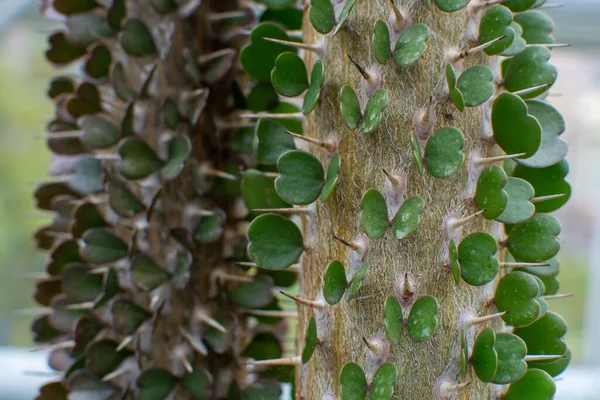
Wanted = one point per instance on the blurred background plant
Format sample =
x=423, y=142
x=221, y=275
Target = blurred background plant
x=24, y=111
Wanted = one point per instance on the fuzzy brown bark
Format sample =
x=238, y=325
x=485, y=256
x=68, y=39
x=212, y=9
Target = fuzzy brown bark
x=421, y=255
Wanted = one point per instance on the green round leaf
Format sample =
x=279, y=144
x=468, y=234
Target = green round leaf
x=530, y=69
x=289, y=76
x=485, y=357
x=519, y=207
x=79, y=284
x=443, y=152
x=407, y=219
x=147, y=274
x=495, y=23
x=98, y=133
x=519, y=294
x=301, y=177
x=258, y=58
x=477, y=258
x=490, y=194
x=128, y=316
x=264, y=346
x=374, y=214
x=511, y=349
x=61, y=50
x=275, y=242
x=255, y=294
x=102, y=357
x=123, y=201
x=136, y=39
x=545, y=337
x=272, y=141
x=515, y=130
x=384, y=380
x=334, y=282
x=331, y=178
x=381, y=41
x=356, y=282
x=210, y=228
x=374, y=111
x=552, y=148
x=179, y=149
x=422, y=319
x=451, y=5
x=519, y=5
x=546, y=182
x=198, y=384
x=518, y=44
x=138, y=160
x=411, y=43
x=310, y=340
x=534, y=385
x=321, y=16
x=535, y=240
x=353, y=382
x=350, y=107
x=393, y=319
x=313, y=94
x=101, y=247
x=155, y=384
x=344, y=14
x=537, y=27
x=258, y=191
x=476, y=85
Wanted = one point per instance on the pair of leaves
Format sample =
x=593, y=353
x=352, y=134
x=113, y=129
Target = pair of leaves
x=505, y=199
x=421, y=323
x=335, y=283
x=498, y=357
x=354, y=384
x=301, y=178
x=519, y=294
x=411, y=44
x=290, y=79
x=275, y=242
x=352, y=114
x=443, y=152
x=473, y=88
x=322, y=16
x=545, y=337
x=374, y=215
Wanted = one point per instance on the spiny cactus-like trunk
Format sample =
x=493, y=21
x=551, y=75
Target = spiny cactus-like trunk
x=185, y=198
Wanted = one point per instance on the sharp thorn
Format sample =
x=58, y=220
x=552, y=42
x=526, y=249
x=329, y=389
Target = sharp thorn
x=480, y=320
x=360, y=69
x=277, y=361
x=546, y=198
x=491, y=160
x=557, y=296
x=530, y=358
x=308, y=47
x=531, y=90
x=457, y=223
x=522, y=265
x=299, y=300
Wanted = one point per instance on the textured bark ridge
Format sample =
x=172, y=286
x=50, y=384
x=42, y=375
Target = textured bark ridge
x=363, y=159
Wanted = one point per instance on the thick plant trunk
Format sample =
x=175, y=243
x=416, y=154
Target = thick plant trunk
x=422, y=255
